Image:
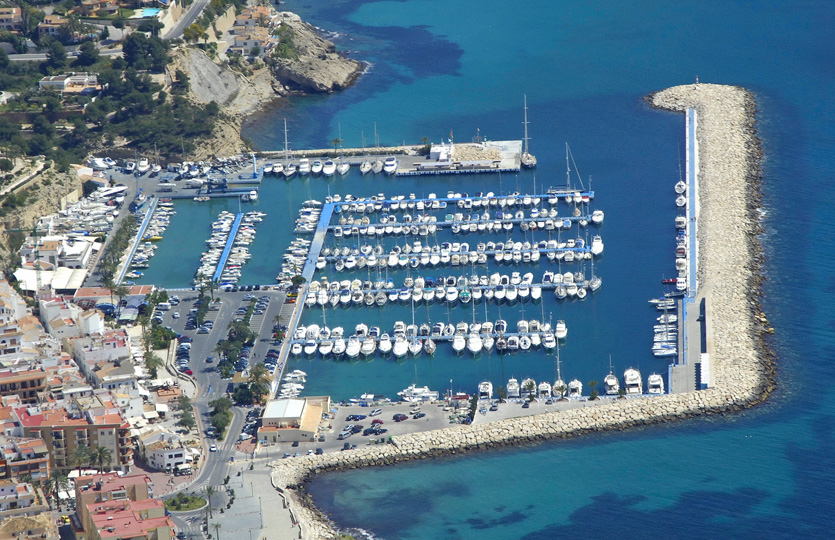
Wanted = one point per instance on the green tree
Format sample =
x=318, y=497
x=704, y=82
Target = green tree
x=55, y=484
x=119, y=23
x=4, y=60
x=187, y=420
x=42, y=126
x=88, y=54
x=56, y=56
x=216, y=527
x=337, y=142
x=152, y=26
x=297, y=281
x=102, y=456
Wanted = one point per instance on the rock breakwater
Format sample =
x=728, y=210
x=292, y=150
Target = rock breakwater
x=729, y=270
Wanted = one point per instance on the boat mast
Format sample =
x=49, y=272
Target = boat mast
x=286, y=147
x=525, y=151
x=567, y=169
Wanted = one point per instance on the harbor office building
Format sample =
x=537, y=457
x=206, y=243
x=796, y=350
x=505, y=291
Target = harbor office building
x=292, y=419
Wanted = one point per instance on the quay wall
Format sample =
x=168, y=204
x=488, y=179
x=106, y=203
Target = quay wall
x=729, y=264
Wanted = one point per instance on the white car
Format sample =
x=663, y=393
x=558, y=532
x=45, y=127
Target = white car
x=176, y=314
x=375, y=412
x=213, y=448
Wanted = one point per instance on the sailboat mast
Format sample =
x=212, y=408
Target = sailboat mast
x=526, y=124
x=567, y=169
x=286, y=144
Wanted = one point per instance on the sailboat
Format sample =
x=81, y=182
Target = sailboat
x=528, y=160
x=611, y=381
x=365, y=166
x=559, y=388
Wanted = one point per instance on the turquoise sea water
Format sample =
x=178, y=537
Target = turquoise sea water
x=437, y=67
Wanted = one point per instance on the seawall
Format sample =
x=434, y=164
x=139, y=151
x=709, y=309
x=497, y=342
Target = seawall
x=729, y=271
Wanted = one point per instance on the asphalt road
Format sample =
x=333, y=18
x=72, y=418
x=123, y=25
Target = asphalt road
x=187, y=19
x=40, y=57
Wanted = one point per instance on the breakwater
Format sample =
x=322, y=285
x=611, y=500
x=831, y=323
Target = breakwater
x=729, y=276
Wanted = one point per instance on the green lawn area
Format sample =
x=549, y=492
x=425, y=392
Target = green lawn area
x=184, y=503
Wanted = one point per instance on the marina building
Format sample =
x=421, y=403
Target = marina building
x=163, y=450
x=292, y=419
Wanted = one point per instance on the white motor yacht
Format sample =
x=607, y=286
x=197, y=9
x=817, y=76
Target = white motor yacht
x=304, y=167
x=328, y=168
x=655, y=384
x=575, y=388
x=390, y=165
x=632, y=378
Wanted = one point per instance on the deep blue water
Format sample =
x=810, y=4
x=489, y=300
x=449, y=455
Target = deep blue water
x=441, y=66
x=437, y=67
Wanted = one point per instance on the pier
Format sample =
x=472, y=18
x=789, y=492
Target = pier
x=691, y=338
x=143, y=226
x=230, y=241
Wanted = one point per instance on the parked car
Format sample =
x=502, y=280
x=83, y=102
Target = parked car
x=375, y=412
x=400, y=417
x=418, y=415
x=376, y=421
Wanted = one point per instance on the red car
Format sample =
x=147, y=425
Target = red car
x=376, y=421
x=188, y=372
x=400, y=417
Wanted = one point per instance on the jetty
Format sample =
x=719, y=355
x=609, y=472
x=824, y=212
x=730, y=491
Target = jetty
x=230, y=241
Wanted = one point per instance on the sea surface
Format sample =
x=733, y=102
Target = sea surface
x=440, y=69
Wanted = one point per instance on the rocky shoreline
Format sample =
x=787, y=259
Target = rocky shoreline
x=730, y=259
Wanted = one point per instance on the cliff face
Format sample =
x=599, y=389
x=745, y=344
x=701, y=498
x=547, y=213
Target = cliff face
x=236, y=94
x=318, y=68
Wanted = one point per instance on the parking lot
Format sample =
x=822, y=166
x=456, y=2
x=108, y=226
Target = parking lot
x=432, y=416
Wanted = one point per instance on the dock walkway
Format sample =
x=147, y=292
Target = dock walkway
x=230, y=241
x=307, y=273
x=152, y=205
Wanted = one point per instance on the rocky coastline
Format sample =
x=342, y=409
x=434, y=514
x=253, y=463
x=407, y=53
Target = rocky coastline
x=317, y=68
x=730, y=259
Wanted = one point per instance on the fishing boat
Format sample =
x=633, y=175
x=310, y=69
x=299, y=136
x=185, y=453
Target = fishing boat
x=632, y=380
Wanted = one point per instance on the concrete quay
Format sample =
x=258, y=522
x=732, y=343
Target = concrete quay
x=742, y=367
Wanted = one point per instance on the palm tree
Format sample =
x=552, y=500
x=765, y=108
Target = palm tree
x=102, y=455
x=209, y=491
x=217, y=530
x=79, y=456
x=594, y=394
x=259, y=381
x=152, y=363
x=121, y=292
x=56, y=483
x=110, y=285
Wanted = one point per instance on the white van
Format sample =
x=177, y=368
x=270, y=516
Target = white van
x=164, y=306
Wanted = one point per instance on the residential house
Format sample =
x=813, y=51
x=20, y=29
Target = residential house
x=52, y=25
x=20, y=499
x=23, y=381
x=109, y=346
x=253, y=16
x=251, y=39
x=11, y=19
x=163, y=450
x=24, y=456
x=99, y=8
